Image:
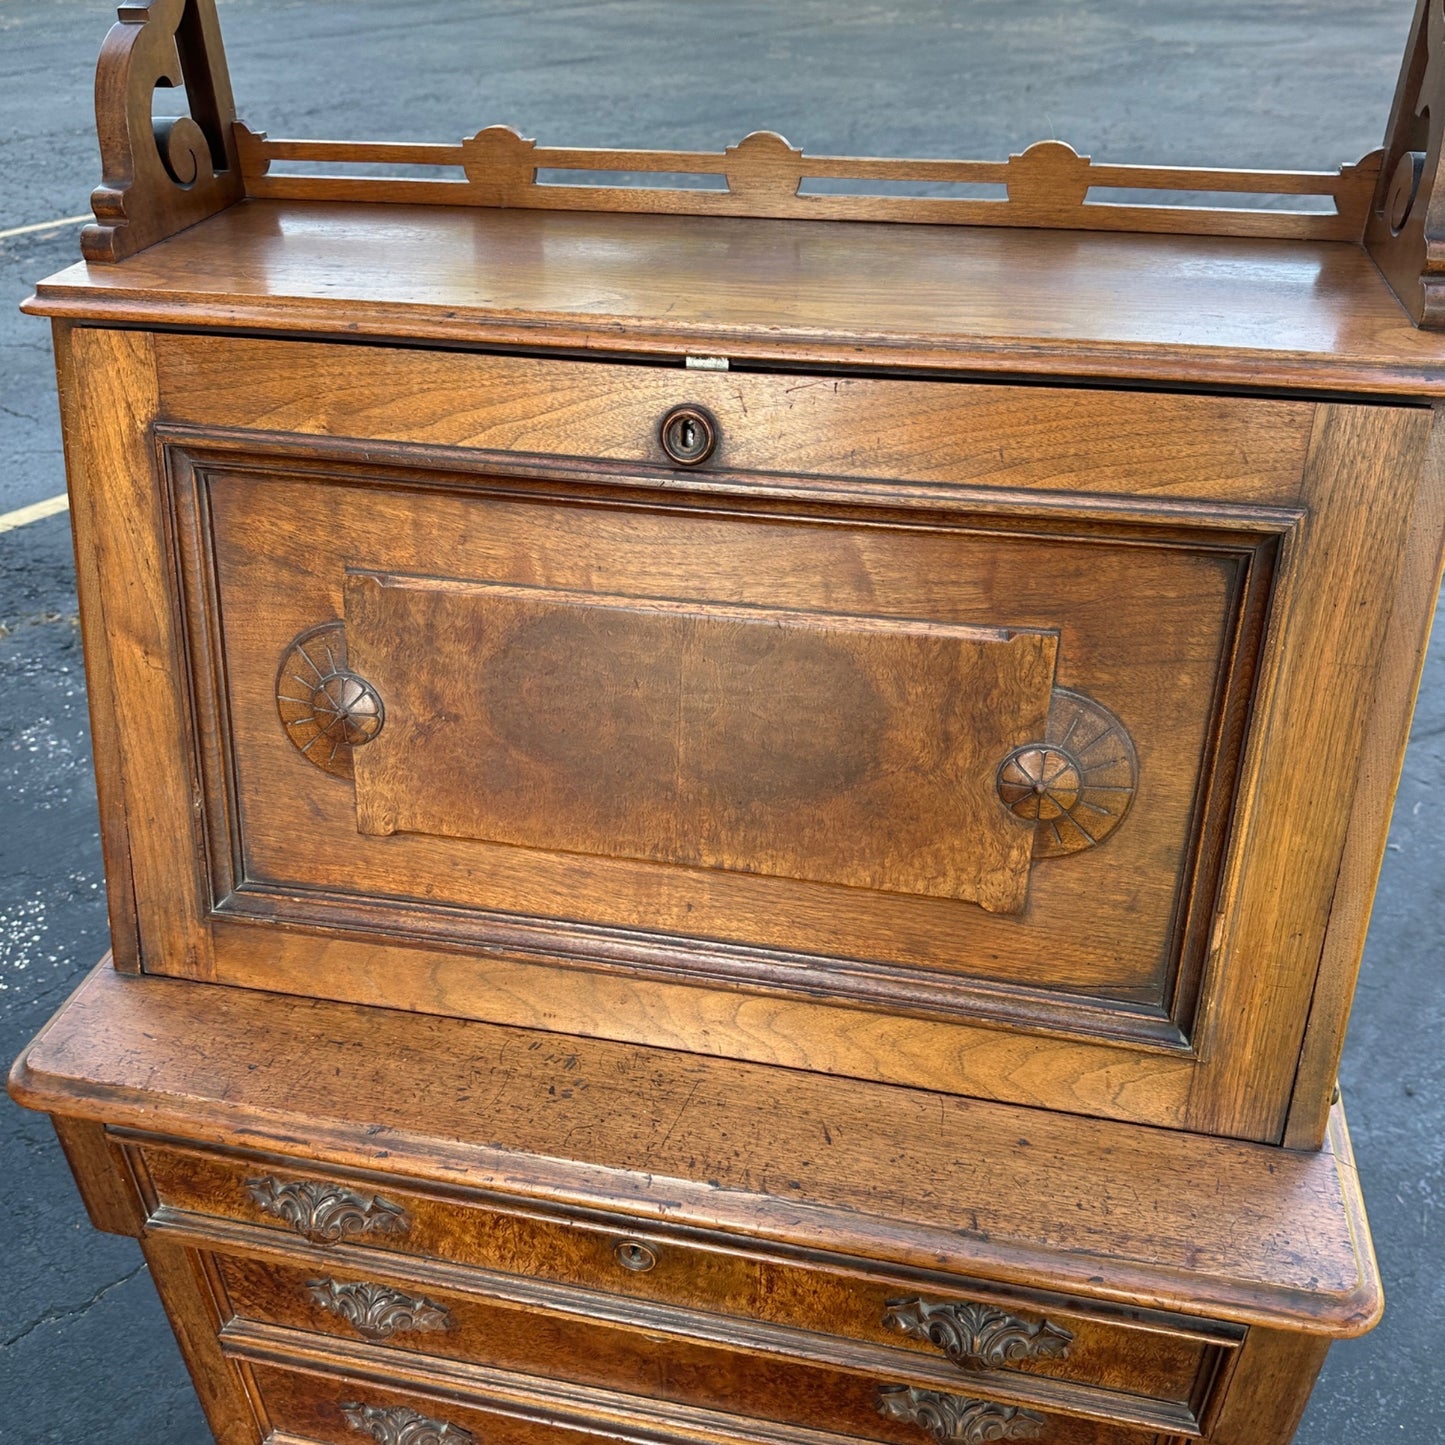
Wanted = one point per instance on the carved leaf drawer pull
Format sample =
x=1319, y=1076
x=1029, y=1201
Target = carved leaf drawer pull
x=957, y=1420
x=399, y=1425
x=978, y=1336
x=326, y=1213
x=374, y=1310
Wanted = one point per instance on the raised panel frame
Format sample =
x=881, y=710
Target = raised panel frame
x=1253, y=537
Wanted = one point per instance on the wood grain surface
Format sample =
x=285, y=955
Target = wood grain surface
x=1208, y=605
x=842, y=749
x=1166, y=1362
x=782, y=1158
x=1049, y=185
x=1214, y=311
x=798, y=1381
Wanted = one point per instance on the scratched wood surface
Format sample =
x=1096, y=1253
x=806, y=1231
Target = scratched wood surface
x=1233, y=1230
x=770, y=1305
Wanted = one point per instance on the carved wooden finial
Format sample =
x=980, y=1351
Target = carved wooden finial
x=1405, y=232
x=161, y=175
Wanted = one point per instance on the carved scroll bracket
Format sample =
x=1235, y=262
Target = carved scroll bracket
x=161, y=175
x=1405, y=232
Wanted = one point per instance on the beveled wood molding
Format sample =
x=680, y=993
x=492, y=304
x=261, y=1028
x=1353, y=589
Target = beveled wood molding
x=978, y=1336
x=1405, y=232
x=401, y=1425
x=161, y=174
x=375, y=1310
x=957, y=1419
x=1047, y=185
x=326, y=1213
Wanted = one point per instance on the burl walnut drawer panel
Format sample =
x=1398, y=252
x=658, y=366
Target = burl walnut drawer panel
x=1175, y=1362
x=802, y=1379
x=334, y=1410
x=913, y=716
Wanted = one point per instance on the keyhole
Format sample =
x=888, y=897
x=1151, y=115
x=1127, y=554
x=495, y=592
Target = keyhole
x=633, y=1255
x=688, y=435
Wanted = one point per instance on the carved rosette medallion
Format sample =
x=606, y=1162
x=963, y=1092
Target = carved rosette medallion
x=957, y=1420
x=374, y=1310
x=324, y=1213
x=399, y=1425
x=327, y=710
x=1076, y=782
x=978, y=1336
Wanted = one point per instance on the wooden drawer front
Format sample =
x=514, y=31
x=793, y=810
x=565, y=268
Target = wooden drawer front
x=973, y=1334
x=1055, y=438
x=469, y=1407
x=801, y=1379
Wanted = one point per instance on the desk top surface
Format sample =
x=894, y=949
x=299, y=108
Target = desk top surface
x=1112, y=1211
x=1221, y=312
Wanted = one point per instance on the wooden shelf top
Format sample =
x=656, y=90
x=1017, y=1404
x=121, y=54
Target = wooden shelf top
x=1157, y=309
x=1237, y=1231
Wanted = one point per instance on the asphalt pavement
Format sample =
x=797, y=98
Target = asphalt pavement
x=85, y=1353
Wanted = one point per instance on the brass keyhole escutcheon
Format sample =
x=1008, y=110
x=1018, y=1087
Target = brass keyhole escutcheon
x=634, y=1255
x=689, y=435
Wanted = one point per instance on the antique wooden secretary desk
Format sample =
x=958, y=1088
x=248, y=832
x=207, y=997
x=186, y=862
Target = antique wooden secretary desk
x=737, y=814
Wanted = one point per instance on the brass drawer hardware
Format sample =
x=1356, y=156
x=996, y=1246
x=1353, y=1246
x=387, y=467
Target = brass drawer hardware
x=376, y=1311
x=977, y=1335
x=400, y=1425
x=689, y=435
x=633, y=1255
x=956, y=1419
x=326, y=1213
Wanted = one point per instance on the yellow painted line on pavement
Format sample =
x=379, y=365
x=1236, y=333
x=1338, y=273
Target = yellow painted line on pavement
x=33, y=513
x=45, y=226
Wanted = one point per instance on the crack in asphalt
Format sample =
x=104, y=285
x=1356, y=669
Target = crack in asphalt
x=53, y=1316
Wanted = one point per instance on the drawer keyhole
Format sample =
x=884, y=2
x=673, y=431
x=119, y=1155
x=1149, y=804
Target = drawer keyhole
x=635, y=1256
x=689, y=435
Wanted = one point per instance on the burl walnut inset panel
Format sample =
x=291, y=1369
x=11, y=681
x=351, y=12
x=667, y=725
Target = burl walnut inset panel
x=841, y=749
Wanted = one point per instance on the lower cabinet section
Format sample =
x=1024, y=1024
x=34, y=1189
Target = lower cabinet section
x=333, y=1279
x=668, y=1313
